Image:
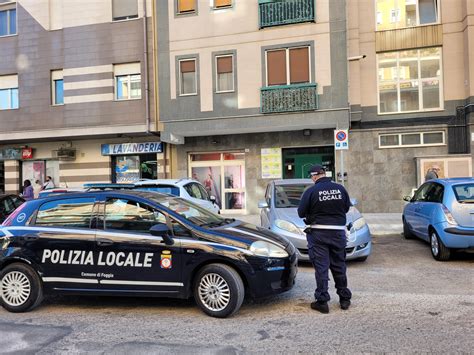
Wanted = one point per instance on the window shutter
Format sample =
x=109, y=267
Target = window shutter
x=276, y=67
x=186, y=5
x=188, y=66
x=222, y=3
x=299, y=65
x=123, y=9
x=224, y=65
x=8, y=81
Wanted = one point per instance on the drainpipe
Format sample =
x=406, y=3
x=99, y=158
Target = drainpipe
x=145, y=72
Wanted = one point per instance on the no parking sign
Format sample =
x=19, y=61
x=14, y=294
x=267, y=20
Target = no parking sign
x=341, y=139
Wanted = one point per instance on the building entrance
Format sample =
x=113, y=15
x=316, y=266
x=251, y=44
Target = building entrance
x=298, y=161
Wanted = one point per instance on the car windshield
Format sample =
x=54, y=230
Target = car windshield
x=164, y=189
x=287, y=196
x=192, y=212
x=464, y=193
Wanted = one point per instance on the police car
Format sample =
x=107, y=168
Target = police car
x=138, y=243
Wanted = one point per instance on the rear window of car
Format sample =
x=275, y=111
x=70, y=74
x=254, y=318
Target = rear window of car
x=289, y=195
x=73, y=212
x=164, y=189
x=464, y=193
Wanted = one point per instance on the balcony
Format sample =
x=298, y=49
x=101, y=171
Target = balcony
x=285, y=12
x=289, y=98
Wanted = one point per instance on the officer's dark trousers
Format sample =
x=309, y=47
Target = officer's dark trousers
x=327, y=250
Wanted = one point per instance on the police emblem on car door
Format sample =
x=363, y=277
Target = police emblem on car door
x=129, y=258
x=64, y=243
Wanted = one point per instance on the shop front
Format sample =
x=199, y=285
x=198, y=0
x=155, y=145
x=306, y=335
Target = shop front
x=131, y=162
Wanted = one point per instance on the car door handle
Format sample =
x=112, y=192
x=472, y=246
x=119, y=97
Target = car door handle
x=104, y=242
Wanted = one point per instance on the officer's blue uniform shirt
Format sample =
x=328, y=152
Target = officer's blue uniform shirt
x=325, y=203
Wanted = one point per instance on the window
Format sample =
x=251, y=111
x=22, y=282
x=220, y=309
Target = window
x=187, y=77
x=406, y=13
x=7, y=20
x=124, y=9
x=57, y=87
x=196, y=191
x=410, y=80
x=128, y=215
x=128, y=82
x=435, y=194
x=73, y=212
x=422, y=193
x=288, y=66
x=220, y=4
x=225, y=73
x=186, y=6
x=9, y=92
x=411, y=139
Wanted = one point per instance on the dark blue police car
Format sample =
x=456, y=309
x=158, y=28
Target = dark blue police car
x=138, y=243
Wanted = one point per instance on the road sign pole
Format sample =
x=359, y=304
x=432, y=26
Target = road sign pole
x=342, y=167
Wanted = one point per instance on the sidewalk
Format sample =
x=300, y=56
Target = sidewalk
x=379, y=223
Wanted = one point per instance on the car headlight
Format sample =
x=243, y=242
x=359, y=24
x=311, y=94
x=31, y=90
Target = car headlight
x=288, y=226
x=358, y=224
x=270, y=250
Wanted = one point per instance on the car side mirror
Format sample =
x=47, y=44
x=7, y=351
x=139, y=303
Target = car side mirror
x=262, y=204
x=407, y=198
x=162, y=230
x=354, y=201
x=212, y=199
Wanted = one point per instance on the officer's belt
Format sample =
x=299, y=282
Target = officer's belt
x=324, y=226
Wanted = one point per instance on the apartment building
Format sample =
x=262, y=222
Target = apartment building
x=250, y=91
x=411, y=88
x=76, y=101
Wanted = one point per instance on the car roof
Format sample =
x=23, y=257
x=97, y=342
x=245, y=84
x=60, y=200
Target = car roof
x=114, y=193
x=292, y=181
x=454, y=181
x=176, y=182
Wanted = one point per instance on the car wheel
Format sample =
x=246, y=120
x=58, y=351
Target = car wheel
x=219, y=290
x=407, y=234
x=20, y=288
x=438, y=250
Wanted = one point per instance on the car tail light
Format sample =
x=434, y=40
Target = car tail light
x=13, y=215
x=449, y=216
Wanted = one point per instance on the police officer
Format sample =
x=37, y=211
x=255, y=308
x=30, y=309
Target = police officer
x=324, y=207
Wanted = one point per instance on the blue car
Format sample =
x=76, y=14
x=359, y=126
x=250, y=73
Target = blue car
x=441, y=212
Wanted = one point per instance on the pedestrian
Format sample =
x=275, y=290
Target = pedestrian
x=324, y=207
x=49, y=183
x=28, y=193
x=37, y=188
x=432, y=173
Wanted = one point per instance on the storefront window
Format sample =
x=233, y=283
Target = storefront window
x=131, y=168
x=37, y=170
x=223, y=176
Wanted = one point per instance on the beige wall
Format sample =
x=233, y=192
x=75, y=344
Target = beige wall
x=191, y=34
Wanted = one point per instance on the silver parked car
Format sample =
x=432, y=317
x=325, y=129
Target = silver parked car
x=279, y=214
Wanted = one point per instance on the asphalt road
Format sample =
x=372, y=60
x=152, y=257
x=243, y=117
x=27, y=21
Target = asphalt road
x=404, y=301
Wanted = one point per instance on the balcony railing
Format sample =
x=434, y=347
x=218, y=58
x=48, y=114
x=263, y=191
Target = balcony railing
x=284, y=12
x=289, y=98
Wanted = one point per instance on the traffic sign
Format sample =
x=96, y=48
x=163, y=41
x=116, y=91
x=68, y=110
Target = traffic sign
x=341, y=139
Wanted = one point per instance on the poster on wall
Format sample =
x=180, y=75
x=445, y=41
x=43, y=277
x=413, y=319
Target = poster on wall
x=271, y=163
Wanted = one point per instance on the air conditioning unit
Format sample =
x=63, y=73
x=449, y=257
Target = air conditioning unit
x=64, y=154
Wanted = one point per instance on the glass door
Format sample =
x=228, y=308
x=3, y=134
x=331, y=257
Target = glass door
x=223, y=176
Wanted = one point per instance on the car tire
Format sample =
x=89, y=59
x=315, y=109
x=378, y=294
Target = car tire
x=438, y=249
x=407, y=234
x=20, y=288
x=219, y=290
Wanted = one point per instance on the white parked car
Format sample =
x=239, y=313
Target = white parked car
x=188, y=189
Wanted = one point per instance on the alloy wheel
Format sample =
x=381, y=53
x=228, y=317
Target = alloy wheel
x=15, y=288
x=434, y=244
x=214, y=292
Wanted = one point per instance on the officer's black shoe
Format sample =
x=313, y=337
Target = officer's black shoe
x=320, y=306
x=345, y=304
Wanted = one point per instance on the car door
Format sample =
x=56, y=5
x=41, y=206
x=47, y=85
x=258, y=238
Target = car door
x=419, y=200
x=129, y=258
x=427, y=209
x=63, y=242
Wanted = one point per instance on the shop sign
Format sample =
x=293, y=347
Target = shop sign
x=27, y=153
x=132, y=148
x=10, y=154
x=271, y=163
x=341, y=139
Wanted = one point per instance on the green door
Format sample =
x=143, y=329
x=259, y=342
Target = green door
x=298, y=161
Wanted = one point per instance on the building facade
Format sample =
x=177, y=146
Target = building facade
x=76, y=96
x=250, y=91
